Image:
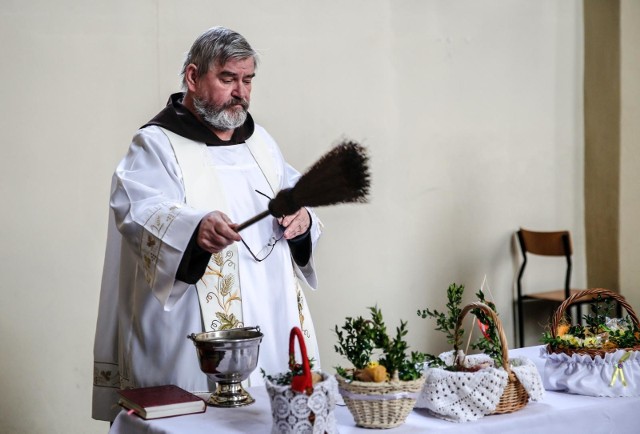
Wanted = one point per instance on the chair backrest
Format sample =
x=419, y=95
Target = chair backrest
x=556, y=243
x=545, y=243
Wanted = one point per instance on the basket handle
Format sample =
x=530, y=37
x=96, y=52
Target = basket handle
x=300, y=383
x=557, y=316
x=499, y=329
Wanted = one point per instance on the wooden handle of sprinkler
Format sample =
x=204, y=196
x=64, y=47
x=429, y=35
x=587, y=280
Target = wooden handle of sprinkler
x=252, y=220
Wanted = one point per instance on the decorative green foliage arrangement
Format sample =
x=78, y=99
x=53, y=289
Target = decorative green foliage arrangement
x=600, y=331
x=284, y=379
x=488, y=343
x=356, y=341
x=359, y=337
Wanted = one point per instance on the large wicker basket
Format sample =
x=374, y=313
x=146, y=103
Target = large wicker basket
x=380, y=405
x=514, y=397
x=589, y=294
x=471, y=387
x=610, y=372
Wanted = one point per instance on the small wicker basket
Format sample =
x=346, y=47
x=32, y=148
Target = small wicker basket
x=380, y=405
x=589, y=294
x=514, y=397
x=302, y=407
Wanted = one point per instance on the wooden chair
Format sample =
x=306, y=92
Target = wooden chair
x=556, y=244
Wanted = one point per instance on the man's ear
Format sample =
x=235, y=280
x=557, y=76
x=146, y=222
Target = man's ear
x=191, y=77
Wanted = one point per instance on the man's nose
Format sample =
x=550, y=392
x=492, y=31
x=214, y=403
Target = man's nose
x=240, y=90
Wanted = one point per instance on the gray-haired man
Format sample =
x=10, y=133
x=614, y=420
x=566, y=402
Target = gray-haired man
x=174, y=262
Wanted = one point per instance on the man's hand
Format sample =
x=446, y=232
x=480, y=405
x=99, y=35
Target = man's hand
x=295, y=224
x=216, y=232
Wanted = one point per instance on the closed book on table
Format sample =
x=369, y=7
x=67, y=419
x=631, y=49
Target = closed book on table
x=161, y=401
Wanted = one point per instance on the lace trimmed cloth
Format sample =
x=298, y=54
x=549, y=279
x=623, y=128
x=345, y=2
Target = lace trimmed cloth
x=467, y=396
x=616, y=374
x=291, y=410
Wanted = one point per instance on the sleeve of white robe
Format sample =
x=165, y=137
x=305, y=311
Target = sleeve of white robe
x=306, y=273
x=148, y=203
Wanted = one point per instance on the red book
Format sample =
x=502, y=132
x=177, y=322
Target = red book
x=161, y=401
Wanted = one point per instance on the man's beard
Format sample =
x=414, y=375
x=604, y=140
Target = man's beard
x=219, y=117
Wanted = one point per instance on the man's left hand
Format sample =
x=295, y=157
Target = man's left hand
x=296, y=223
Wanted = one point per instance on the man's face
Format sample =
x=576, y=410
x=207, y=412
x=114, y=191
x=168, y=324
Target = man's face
x=222, y=95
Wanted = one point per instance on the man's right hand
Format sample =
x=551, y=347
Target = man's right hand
x=216, y=232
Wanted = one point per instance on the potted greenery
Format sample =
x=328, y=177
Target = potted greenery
x=381, y=386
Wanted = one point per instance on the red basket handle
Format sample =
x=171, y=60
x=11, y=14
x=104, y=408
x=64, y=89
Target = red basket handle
x=300, y=383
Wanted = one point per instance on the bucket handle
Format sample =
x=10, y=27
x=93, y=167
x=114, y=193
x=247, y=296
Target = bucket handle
x=303, y=382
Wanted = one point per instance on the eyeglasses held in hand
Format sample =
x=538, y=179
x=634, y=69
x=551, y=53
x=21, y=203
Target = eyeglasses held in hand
x=271, y=244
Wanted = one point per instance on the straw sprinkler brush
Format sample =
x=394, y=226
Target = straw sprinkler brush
x=339, y=176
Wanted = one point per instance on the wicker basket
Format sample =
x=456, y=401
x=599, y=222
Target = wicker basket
x=380, y=405
x=613, y=372
x=303, y=407
x=589, y=294
x=470, y=387
x=514, y=397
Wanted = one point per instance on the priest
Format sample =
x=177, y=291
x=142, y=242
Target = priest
x=175, y=263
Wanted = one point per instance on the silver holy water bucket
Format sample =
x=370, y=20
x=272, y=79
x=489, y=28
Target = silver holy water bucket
x=228, y=357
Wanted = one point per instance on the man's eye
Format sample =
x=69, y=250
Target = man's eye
x=247, y=81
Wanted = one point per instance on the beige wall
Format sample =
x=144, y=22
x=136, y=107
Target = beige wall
x=612, y=133
x=630, y=152
x=602, y=142
x=472, y=112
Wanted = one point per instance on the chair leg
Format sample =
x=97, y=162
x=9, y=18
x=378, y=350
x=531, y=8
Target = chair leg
x=520, y=324
x=578, y=313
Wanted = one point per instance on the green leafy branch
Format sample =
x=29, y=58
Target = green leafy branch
x=489, y=343
x=394, y=351
x=446, y=322
x=356, y=341
x=358, y=338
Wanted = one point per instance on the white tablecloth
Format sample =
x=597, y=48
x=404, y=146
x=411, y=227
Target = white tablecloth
x=558, y=412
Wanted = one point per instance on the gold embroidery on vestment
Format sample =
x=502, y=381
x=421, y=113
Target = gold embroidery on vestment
x=224, y=291
x=156, y=227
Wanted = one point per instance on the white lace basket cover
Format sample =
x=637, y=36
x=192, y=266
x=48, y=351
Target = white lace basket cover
x=617, y=374
x=291, y=410
x=467, y=396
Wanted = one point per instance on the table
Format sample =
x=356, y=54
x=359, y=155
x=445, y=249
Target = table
x=557, y=412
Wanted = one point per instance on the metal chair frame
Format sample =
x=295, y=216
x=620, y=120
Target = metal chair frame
x=547, y=247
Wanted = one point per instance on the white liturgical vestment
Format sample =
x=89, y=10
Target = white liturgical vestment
x=146, y=314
